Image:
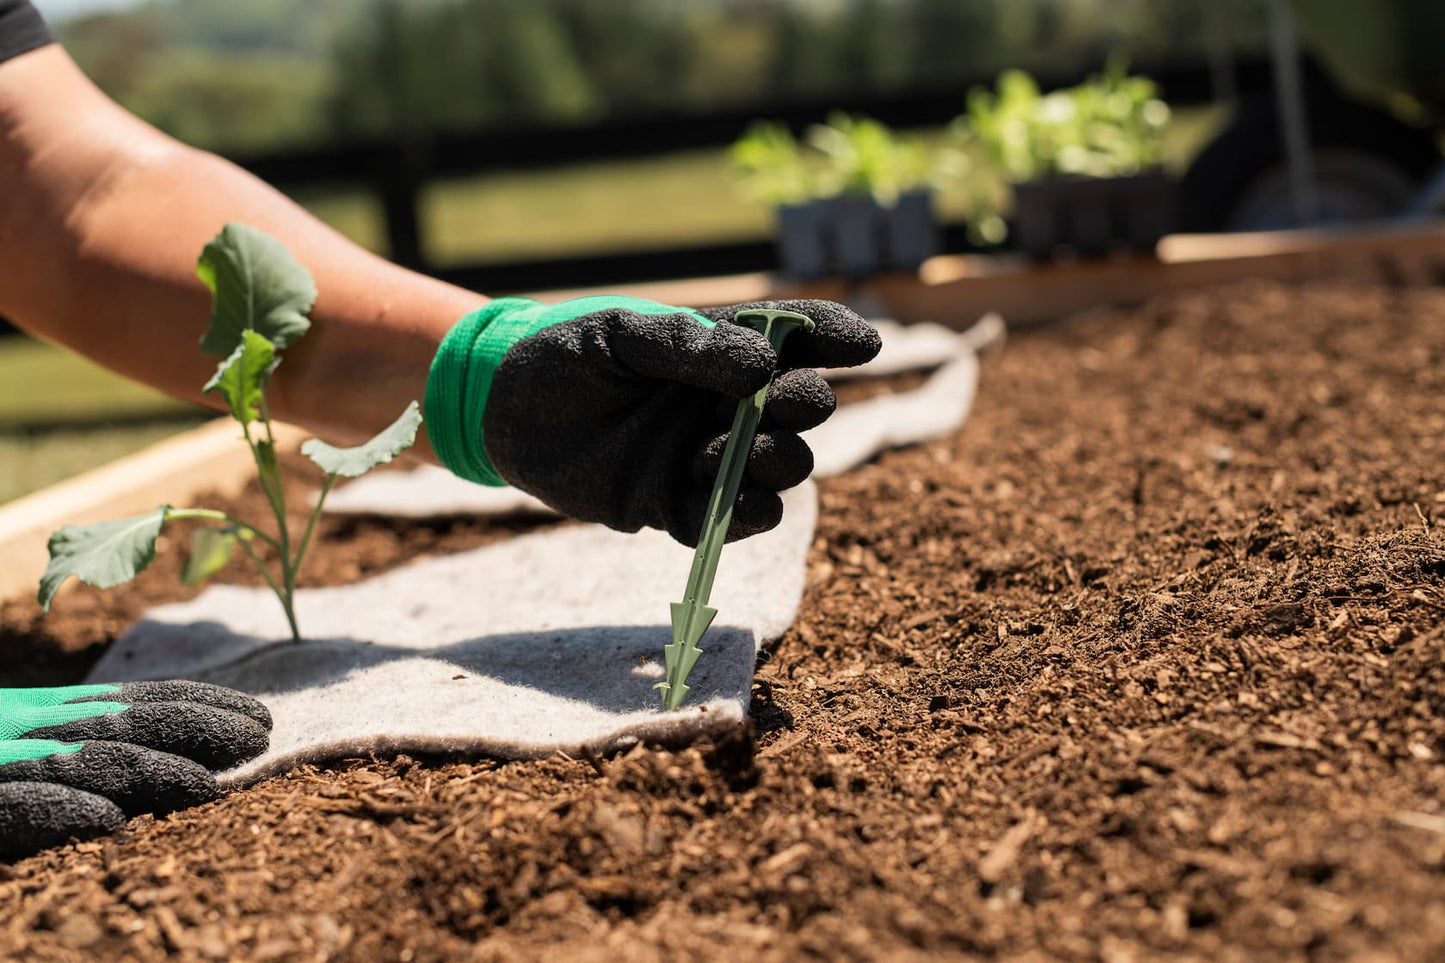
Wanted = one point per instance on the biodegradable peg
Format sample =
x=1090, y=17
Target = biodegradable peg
x=692, y=616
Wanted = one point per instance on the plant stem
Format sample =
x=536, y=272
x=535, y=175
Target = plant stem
x=289, y=563
x=261, y=472
x=211, y=514
x=285, y=600
x=276, y=497
x=311, y=523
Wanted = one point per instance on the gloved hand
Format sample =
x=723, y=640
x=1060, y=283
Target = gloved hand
x=616, y=409
x=80, y=760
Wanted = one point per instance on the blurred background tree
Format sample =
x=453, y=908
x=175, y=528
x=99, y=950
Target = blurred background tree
x=268, y=74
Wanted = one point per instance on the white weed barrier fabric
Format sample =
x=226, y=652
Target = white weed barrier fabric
x=546, y=641
x=549, y=641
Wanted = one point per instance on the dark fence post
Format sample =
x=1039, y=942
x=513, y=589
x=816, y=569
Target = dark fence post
x=400, y=177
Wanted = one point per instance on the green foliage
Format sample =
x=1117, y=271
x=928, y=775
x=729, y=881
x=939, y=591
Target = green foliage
x=241, y=378
x=271, y=73
x=211, y=549
x=261, y=299
x=256, y=284
x=232, y=100
x=1111, y=125
x=849, y=155
x=352, y=462
x=104, y=555
x=214, y=73
x=1108, y=126
x=865, y=158
x=770, y=165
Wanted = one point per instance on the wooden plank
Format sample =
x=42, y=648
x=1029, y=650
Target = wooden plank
x=175, y=471
x=1395, y=236
x=957, y=290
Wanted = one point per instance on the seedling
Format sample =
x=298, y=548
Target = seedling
x=771, y=167
x=261, y=297
x=849, y=156
x=1109, y=126
x=867, y=159
x=692, y=616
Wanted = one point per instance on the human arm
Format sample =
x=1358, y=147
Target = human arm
x=97, y=252
x=102, y=221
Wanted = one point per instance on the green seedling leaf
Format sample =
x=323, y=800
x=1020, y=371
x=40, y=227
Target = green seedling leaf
x=210, y=551
x=104, y=555
x=257, y=286
x=351, y=462
x=241, y=378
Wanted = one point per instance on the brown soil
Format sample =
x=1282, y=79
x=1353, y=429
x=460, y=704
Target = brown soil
x=1146, y=662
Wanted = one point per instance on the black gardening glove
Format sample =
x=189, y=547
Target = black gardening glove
x=616, y=410
x=77, y=761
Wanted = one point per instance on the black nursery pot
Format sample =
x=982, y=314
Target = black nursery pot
x=1093, y=216
x=855, y=236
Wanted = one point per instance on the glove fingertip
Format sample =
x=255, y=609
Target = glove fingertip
x=745, y=356
x=202, y=693
x=729, y=359
x=799, y=399
x=757, y=510
x=215, y=738
x=841, y=338
x=707, y=460
x=35, y=816
x=779, y=460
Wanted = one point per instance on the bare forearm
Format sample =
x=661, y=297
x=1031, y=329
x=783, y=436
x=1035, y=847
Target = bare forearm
x=98, y=244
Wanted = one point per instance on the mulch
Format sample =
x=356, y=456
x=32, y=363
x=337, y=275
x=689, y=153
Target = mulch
x=1145, y=662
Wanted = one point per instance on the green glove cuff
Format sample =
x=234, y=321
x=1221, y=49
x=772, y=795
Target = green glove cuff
x=462, y=371
x=460, y=380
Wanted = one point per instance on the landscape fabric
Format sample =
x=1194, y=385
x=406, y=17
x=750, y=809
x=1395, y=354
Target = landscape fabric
x=549, y=641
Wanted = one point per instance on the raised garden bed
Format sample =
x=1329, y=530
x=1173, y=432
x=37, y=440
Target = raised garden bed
x=1145, y=661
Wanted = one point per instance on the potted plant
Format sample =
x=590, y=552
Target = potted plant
x=853, y=200
x=1083, y=162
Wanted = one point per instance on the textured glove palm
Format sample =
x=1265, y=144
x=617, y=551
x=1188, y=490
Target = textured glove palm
x=616, y=410
x=77, y=761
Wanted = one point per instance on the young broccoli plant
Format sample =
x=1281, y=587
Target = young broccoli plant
x=261, y=297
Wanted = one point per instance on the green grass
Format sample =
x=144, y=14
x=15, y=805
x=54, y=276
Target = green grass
x=685, y=198
x=61, y=415
x=584, y=208
x=45, y=384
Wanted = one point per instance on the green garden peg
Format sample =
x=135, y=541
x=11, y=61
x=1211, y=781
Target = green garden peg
x=692, y=616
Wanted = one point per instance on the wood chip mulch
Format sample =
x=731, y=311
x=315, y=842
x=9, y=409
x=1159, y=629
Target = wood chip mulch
x=1146, y=662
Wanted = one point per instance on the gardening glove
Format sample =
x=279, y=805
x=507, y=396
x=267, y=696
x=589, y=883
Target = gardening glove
x=616, y=409
x=77, y=761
